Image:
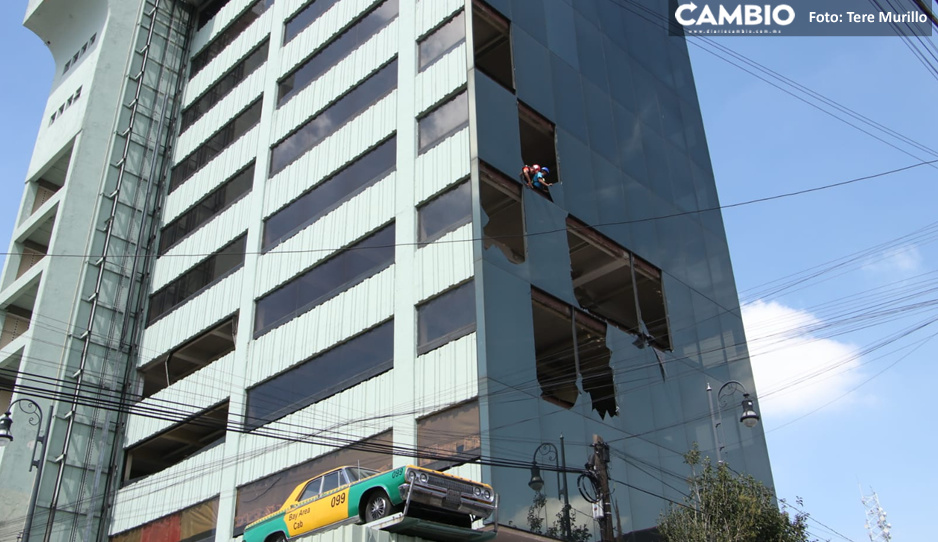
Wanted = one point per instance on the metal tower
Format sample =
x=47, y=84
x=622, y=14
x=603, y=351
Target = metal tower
x=876, y=523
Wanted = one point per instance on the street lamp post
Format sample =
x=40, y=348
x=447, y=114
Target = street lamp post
x=549, y=452
x=31, y=408
x=749, y=418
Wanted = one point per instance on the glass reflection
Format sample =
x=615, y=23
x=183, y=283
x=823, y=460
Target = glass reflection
x=443, y=121
x=329, y=194
x=342, y=367
x=360, y=98
x=443, y=40
x=305, y=17
x=340, y=272
x=444, y=214
x=339, y=48
x=446, y=318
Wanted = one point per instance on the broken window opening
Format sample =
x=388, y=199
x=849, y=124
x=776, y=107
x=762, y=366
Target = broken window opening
x=537, y=140
x=614, y=284
x=501, y=204
x=568, y=342
x=201, y=432
x=602, y=276
x=492, y=38
x=195, y=354
x=651, y=302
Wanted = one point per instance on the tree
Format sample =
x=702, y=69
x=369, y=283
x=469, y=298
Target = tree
x=727, y=507
x=578, y=533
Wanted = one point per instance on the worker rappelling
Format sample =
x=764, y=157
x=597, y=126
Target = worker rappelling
x=536, y=177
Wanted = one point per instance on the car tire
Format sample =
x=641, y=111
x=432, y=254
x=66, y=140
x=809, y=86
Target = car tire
x=279, y=537
x=377, y=507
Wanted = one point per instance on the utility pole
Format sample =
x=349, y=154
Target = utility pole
x=599, y=465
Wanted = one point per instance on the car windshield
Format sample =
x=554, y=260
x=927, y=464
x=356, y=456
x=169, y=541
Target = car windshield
x=357, y=473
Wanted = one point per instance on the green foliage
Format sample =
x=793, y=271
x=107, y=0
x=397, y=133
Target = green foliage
x=537, y=521
x=726, y=507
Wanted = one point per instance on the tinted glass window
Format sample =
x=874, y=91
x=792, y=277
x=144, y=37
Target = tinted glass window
x=311, y=489
x=206, y=272
x=450, y=437
x=305, y=17
x=342, y=367
x=446, y=318
x=324, y=124
x=337, y=49
x=340, y=272
x=223, y=40
x=444, y=213
x=341, y=186
x=330, y=481
x=445, y=120
x=224, y=86
x=207, y=208
x=213, y=146
x=441, y=41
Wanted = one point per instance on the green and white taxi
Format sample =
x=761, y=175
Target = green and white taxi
x=354, y=494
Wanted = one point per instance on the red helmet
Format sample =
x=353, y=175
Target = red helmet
x=536, y=167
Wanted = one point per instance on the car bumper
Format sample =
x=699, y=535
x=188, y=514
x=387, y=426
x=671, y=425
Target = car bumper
x=447, y=500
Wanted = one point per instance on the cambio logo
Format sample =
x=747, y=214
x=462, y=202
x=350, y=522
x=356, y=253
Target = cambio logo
x=743, y=15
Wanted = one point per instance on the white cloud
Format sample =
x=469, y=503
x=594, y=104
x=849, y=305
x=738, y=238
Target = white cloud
x=903, y=260
x=796, y=372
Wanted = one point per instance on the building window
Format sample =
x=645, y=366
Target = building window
x=206, y=209
x=503, y=214
x=444, y=214
x=225, y=84
x=265, y=496
x=537, y=140
x=339, y=187
x=441, y=41
x=199, y=433
x=567, y=342
x=446, y=318
x=335, y=50
x=209, y=271
x=305, y=17
x=226, y=37
x=193, y=524
x=338, y=273
x=450, y=437
x=339, y=368
x=199, y=352
x=443, y=121
x=213, y=146
x=612, y=283
x=491, y=36
x=333, y=117
x=209, y=11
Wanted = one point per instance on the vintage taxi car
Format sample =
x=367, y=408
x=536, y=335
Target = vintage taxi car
x=354, y=494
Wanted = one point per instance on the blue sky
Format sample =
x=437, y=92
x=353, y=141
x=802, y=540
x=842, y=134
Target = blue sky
x=840, y=410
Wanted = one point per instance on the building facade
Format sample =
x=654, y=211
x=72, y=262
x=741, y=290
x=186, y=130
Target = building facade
x=263, y=238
